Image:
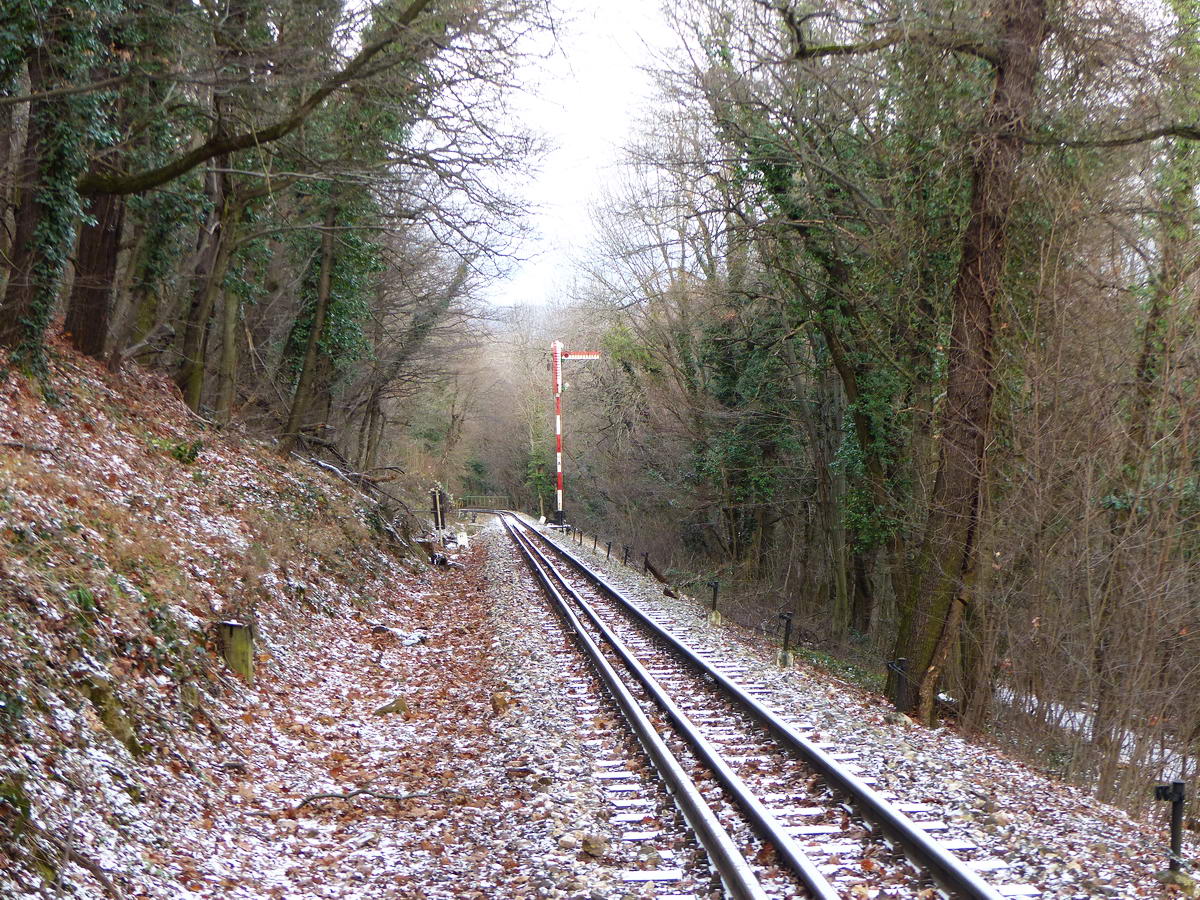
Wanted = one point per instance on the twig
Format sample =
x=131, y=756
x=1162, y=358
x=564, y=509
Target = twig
x=65, y=91
x=78, y=858
x=98, y=873
x=118, y=357
x=364, y=791
x=32, y=448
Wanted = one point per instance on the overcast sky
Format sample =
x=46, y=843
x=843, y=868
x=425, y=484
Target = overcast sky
x=586, y=99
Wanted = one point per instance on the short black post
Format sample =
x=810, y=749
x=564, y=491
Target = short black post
x=1174, y=793
x=625, y=558
x=899, y=668
x=716, y=586
x=646, y=561
x=608, y=551
x=787, y=631
x=595, y=539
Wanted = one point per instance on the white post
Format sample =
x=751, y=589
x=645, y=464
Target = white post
x=556, y=349
x=558, y=354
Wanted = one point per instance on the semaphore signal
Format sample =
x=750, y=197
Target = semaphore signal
x=559, y=354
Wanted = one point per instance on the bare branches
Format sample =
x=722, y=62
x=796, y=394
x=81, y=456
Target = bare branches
x=893, y=34
x=951, y=42
x=67, y=91
x=1182, y=132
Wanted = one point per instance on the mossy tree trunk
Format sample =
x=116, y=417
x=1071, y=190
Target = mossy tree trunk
x=308, y=368
x=944, y=576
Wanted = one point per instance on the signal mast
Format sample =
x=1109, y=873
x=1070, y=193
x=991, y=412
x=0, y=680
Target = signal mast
x=559, y=355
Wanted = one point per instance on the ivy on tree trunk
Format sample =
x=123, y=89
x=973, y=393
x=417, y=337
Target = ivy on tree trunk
x=945, y=567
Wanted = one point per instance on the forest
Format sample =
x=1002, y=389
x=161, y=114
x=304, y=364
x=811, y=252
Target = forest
x=895, y=299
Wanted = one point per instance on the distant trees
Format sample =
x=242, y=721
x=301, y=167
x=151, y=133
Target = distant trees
x=899, y=311
x=282, y=203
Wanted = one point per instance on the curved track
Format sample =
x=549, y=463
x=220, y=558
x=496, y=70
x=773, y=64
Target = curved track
x=797, y=814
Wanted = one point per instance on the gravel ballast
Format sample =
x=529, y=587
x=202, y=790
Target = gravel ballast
x=1055, y=837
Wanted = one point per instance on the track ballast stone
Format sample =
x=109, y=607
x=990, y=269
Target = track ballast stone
x=1064, y=842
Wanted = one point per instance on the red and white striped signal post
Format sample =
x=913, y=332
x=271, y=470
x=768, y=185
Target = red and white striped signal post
x=559, y=354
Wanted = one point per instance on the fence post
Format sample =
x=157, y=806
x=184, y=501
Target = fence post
x=1175, y=794
x=900, y=668
x=714, y=617
x=785, y=655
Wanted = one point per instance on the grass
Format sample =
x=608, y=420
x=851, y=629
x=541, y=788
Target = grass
x=844, y=669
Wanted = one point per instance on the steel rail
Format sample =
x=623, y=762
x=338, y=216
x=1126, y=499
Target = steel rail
x=950, y=873
x=736, y=874
x=765, y=823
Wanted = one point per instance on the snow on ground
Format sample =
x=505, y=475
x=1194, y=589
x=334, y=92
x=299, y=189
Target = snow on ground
x=1058, y=837
x=134, y=764
x=315, y=731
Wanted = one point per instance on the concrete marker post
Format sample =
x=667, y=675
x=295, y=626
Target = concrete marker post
x=237, y=646
x=714, y=616
x=785, y=657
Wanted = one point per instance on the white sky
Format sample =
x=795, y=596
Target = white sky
x=586, y=99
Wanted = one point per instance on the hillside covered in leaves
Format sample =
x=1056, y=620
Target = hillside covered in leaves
x=128, y=530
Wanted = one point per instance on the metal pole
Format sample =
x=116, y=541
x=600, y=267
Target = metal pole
x=625, y=558
x=558, y=354
x=716, y=586
x=556, y=351
x=608, y=551
x=1175, y=793
x=1176, y=824
x=595, y=540
x=899, y=667
x=787, y=631
x=646, y=561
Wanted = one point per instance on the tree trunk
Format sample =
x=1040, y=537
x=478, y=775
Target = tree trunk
x=90, y=303
x=309, y=367
x=822, y=420
x=942, y=582
x=374, y=439
x=360, y=442
x=209, y=274
x=25, y=311
x=11, y=133
x=227, y=376
x=191, y=374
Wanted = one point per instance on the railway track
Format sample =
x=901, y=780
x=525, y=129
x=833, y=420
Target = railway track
x=779, y=812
